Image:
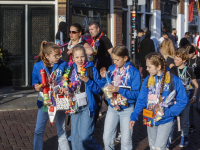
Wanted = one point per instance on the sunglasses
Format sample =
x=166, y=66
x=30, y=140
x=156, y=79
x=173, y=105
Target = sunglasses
x=73, y=32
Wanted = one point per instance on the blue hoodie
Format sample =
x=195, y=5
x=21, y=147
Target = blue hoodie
x=92, y=86
x=169, y=112
x=36, y=78
x=133, y=81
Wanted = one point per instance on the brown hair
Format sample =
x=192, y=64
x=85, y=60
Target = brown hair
x=156, y=60
x=122, y=51
x=79, y=47
x=167, y=47
x=46, y=48
x=190, y=49
x=181, y=53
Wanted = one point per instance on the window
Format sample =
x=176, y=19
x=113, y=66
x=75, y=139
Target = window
x=148, y=6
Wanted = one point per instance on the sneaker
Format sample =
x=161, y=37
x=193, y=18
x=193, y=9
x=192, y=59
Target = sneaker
x=118, y=139
x=192, y=128
x=184, y=141
x=168, y=145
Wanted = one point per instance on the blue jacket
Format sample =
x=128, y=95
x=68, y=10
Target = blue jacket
x=36, y=78
x=133, y=81
x=92, y=86
x=169, y=112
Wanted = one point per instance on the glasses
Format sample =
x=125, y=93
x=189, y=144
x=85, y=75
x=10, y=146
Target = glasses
x=58, y=56
x=73, y=32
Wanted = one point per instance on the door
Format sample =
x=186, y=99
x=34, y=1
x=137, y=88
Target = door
x=12, y=45
x=40, y=27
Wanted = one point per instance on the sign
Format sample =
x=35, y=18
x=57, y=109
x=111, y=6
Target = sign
x=138, y=2
x=141, y=2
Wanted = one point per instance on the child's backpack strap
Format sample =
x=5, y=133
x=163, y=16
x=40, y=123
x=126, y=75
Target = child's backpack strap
x=171, y=84
x=90, y=72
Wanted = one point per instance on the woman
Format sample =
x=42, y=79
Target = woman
x=75, y=38
x=167, y=51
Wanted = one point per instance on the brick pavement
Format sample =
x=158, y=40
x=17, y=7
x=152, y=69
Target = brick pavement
x=17, y=131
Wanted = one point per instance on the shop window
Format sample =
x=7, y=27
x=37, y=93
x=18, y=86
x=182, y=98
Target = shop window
x=174, y=10
x=91, y=3
x=167, y=8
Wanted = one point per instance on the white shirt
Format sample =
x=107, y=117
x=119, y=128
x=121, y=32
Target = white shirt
x=160, y=40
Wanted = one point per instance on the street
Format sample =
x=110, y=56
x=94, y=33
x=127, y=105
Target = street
x=17, y=126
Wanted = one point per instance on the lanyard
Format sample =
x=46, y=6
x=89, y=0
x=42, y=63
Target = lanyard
x=184, y=71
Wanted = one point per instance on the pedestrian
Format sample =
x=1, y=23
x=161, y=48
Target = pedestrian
x=167, y=51
x=159, y=110
x=187, y=77
x=174, y=37
x=155, y=41
x=83, y=121
x=196, y=38
x=185, y=40
x=137, y=52
x=194, y=64
x=75, y=38
x=146, y=47
x=164, y=36
x=61, y=35
x=102, y=48
x=48, y=59
x=125, y=79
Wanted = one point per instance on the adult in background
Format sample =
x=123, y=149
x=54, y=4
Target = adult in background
x=102, y=48
x=75, y=38
x=146, y=47
x=62, y=32
x=155, y=41
x=164, y=36
x=174, y=37
x=137, y=52
x=185, y=40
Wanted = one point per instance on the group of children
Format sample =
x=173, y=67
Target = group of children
x=162, y=97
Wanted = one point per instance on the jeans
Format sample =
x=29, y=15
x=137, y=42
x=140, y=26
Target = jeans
x=195, y=106
x=82, y=130
x=184, y=121
x=42, y=118
x=158, y=135
x=110, y=128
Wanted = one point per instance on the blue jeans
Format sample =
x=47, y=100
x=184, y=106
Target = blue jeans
x=158, y=135
x=110, y=128
x=82, y=130
x=42, y=118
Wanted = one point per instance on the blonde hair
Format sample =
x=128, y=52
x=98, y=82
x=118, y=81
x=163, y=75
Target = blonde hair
x=46, y=48
x=181, y=53
x=156, y=60
x=167, y=48
x=79, y=47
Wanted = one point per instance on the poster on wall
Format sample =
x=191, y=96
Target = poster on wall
x=62, y=19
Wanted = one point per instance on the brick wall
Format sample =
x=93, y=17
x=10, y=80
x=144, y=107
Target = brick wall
x=181, y=7
x=118, y=22
x=61, y=7
x=156, y=4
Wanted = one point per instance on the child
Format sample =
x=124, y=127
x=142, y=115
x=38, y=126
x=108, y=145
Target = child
x=48, y=59
x=158, y=108
x=187, y=76
x=194, y=64
x=82, y=122
x=126, y=82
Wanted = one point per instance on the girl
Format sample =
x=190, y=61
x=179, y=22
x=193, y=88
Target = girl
x=194, y=64
x=167, y=51
x=126, y=84
x=153, y=99
x=82, y=122
x=48, y=59
x=75, y=38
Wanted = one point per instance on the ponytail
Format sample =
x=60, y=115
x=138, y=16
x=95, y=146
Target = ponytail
x=46, y=48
